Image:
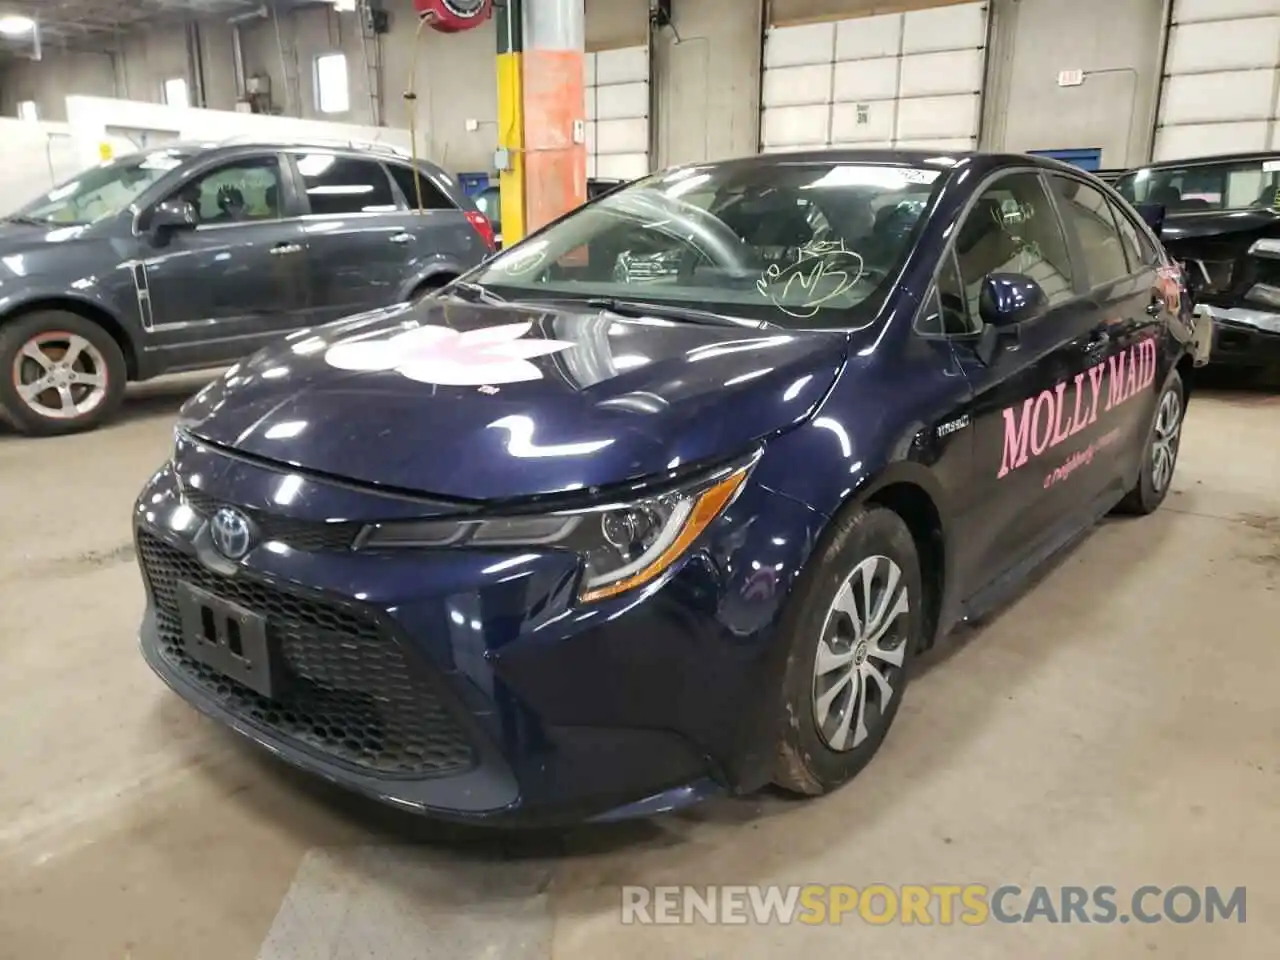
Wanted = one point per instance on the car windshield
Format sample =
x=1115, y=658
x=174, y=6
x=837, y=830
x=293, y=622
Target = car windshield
x=102, y=191
x=800, y=243
x=1230, y=185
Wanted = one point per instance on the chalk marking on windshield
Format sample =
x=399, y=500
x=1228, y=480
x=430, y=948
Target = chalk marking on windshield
x=816, y=261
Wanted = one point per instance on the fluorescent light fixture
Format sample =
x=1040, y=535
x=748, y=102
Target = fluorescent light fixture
x=14, y=25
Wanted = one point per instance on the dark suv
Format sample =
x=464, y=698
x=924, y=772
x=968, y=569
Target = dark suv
x=1220, y=217
x=195, y=255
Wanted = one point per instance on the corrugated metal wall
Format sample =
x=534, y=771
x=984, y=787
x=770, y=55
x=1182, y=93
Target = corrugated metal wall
x=1221, y=89
x=889, y=79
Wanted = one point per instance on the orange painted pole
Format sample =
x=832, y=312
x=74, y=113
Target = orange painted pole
x=554, y=113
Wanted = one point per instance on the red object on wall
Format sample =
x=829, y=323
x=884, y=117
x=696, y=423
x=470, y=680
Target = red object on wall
x=453, y=16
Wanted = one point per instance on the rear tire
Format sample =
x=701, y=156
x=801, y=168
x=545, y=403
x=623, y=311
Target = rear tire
x=854, y=625
x=1160, y=455
x=430, y=286
x=59, y=373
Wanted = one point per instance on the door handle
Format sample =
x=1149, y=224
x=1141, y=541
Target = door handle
x=284, y=249
x=401, y=238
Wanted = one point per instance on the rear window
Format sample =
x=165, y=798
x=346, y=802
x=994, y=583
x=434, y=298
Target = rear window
x=807, y=243
x=1230, y=185
x=433, y=198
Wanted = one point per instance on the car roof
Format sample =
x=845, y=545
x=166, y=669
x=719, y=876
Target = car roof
x=235, y=144
x=945, y=160
x=1205, y=161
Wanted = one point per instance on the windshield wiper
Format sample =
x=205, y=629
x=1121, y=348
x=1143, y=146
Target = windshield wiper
x=666, y=311
x=30, y=221
x=473, y=292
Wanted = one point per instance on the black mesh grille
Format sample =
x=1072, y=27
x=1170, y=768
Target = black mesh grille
x=308, y=535
x=348, y=690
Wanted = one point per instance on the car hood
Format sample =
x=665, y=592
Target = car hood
x=480, y=402
x=1182, y=227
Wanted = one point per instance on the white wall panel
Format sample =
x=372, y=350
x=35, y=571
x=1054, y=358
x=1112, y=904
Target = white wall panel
x=616, y=87
x=1221, y=76
x=888, y=78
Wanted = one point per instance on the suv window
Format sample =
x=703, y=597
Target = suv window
x=1088, y=213
x=1013, y=228
x=1228, y=185
x=344, y=185
x=433, y=198
x=241, y=191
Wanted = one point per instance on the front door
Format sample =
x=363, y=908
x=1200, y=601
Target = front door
x=1034, y=400
x=358, y=246
x=219, y=292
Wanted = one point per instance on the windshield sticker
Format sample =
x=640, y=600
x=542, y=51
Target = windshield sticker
x=443, y=356
x=822, y=271
x=1047, y=420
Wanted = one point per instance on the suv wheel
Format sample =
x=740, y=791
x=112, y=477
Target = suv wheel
x=59, y=373
x=856, y=621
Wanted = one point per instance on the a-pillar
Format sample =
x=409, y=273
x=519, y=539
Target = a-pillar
x=541, y=112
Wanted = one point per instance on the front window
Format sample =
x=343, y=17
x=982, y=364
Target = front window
x=1230, y=185
x=799, y=243
x=101, y=192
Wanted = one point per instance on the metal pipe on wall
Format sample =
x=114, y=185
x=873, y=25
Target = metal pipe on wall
x=237, y=59
x=1157, y=95
x=197, y=63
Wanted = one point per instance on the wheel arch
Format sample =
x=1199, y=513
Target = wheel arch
x=910, y=490
x=89, y=311
x=436, y=273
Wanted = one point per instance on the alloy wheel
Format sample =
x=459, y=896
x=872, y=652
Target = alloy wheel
x=1164, y=444
x=860, y=653
x=60, y=375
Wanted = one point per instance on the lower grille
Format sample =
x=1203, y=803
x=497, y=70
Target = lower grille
x=348, y=692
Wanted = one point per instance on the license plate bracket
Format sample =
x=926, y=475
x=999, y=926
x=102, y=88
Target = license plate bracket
x=229, y=638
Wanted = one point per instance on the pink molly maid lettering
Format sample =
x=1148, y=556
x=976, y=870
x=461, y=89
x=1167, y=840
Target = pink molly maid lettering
x=1046, y=420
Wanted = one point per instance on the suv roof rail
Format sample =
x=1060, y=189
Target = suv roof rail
x=374, y=146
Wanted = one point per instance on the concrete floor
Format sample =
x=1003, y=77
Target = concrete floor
x=1117, y=725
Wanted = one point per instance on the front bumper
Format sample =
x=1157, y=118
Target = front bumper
x=420, y=680
x=1241, y=336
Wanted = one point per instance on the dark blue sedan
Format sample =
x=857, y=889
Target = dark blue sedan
x=664, y=500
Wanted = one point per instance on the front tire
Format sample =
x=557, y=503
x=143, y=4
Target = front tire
x=854, y=625
x=1160, y=455
x=59, y=373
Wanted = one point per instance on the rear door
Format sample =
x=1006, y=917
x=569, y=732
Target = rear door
x=239, y=279
x=1032, y=397
x=445, y=241
x=358, y=250
x=1126, y=290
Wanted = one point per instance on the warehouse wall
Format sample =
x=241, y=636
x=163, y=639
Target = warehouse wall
x=1116, y=43
x=708, y=84
x=706, y=88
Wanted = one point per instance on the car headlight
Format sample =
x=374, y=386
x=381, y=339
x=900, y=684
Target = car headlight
x=622, y=545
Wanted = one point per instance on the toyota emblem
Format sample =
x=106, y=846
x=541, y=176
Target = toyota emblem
x=231, y=532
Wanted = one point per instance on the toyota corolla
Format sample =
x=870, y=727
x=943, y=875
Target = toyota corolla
x=663, y=501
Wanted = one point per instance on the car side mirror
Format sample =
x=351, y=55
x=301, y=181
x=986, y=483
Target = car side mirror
x=1008, y=299
x=171, y=216
x=1153, y=214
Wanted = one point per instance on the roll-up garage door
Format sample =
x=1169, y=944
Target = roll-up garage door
x=901, y=79
x=617, y=103
x=1221, y=87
